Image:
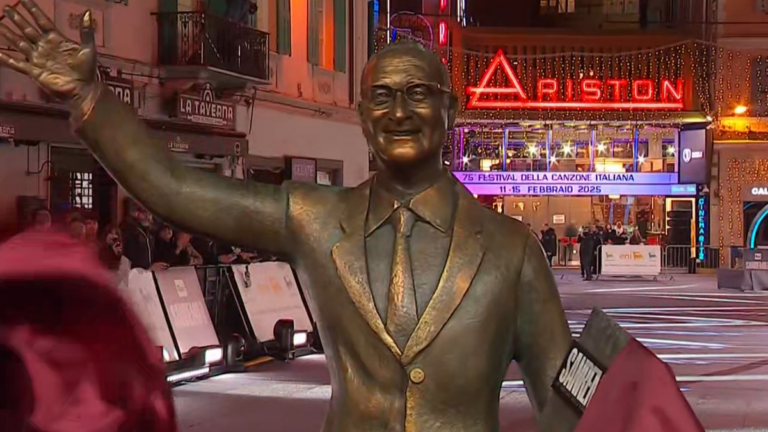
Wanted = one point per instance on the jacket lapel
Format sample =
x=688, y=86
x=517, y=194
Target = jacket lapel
x=464, y=257
x=350, y=259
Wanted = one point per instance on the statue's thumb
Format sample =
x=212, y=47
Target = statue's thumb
x=87, y=31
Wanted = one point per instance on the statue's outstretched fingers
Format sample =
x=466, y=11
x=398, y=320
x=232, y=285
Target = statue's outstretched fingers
x=27, y=29
x=19, y=66
x=41, y=19
x=16, y=41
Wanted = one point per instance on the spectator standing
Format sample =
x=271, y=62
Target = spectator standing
x=636, y=238
x=549, y=242
x=76, y=228
x=139, y=241
x=111, y=248
x=41, y=220
x=588, y=241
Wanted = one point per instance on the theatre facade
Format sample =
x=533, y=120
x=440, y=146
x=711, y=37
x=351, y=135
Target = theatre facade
x=570, y=130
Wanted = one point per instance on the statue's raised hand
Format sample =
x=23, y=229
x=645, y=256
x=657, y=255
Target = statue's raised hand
x=62, y=67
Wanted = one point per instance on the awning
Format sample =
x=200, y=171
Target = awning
x=34, y=123
x=189, y=138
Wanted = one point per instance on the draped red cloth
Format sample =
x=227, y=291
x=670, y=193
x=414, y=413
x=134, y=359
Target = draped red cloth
x=76, y=357
x=639, y=393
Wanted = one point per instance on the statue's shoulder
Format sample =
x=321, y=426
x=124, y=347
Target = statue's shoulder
x=314, y=193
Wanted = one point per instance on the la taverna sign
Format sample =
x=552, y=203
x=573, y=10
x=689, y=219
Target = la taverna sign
x=569, y=94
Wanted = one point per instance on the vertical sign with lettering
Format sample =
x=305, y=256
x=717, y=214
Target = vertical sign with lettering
x=702, y=225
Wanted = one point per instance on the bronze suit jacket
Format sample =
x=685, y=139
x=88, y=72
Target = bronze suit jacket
x=496, y=300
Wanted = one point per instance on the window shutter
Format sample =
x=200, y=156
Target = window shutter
x=284, y=27
x=340, y=35
x=313, y=48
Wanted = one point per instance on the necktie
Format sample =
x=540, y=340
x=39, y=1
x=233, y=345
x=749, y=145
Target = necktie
x=401, y=312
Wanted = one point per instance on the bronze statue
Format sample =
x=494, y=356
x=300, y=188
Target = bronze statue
x=423, y=297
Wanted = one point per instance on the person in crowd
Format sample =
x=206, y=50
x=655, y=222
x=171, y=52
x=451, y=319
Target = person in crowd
x=185, y=252
x=165, y=247
x=111, y=248
x=91, y=230
x=636, y=238
x=41, y=220
x=588, y=242
x=228, y=254
x=139, y=241
x=206, y=248
x=619, y=234
x=76, y=228
x=549, y=242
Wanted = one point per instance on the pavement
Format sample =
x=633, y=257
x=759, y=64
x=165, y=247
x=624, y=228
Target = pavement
x=716, y=342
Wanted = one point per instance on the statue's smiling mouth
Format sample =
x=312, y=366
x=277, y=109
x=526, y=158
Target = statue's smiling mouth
x=403, y=133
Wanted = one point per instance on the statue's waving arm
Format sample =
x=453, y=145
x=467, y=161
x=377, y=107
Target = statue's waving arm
x=242, y=213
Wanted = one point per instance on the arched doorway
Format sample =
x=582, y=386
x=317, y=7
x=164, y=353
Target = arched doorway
x=757, y=234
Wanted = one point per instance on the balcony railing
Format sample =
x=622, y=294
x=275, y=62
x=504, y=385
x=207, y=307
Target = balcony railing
x=201, y=39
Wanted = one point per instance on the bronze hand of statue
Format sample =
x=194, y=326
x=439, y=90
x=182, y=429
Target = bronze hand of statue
x=62, y=67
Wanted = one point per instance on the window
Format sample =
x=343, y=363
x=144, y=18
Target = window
x=321, y=39
x=280, y=26
x=81, y=190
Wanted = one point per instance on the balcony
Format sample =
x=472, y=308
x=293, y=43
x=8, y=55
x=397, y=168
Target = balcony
x=201, y=46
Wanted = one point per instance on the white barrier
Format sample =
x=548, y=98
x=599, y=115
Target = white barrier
x=630, y=260
x=269, y=294
x=138, y=288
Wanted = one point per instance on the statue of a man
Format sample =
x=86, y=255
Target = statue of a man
x=423, y=297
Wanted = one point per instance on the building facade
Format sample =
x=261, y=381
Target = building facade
x=740, y=160
x=233, y=91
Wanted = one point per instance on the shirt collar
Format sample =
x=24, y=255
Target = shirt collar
x=429, y=205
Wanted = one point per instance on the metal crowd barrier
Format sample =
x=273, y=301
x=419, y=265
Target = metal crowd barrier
x=687, y=259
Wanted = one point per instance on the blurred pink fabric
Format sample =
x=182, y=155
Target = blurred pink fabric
x=639, y=393
x=91, y=365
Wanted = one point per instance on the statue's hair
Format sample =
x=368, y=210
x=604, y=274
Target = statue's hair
x=409, y=46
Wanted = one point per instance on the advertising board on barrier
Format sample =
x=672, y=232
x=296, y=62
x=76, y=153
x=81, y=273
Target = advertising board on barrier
x=270, y=293
x=756, y=259
x=631, y=260
x=140, y=292
x=186, y=308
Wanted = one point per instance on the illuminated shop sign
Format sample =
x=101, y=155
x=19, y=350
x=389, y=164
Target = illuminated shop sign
x=702, y=226
x=588, y=93
x=573, y=184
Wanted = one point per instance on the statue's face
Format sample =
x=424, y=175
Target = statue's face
x=406, y=108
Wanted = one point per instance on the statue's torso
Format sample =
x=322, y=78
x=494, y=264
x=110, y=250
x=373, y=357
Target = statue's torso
x=453, y=383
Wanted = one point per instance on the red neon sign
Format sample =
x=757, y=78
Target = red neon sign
x=612, y=93
x=443, y=5
x=442, y=33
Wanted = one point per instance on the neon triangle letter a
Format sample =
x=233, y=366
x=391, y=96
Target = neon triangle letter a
x=515, y=89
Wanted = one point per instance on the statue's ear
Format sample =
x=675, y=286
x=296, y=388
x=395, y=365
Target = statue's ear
x=453, y=110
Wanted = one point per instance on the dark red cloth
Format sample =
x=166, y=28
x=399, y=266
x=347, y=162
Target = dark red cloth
x=89, y=364
x=639, y=393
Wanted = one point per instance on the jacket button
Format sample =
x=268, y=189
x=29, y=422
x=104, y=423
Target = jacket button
x=417, y=375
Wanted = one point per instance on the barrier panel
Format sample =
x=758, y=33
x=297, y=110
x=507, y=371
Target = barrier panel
x=630, y=260
x=187, y=312
x=269, y=293
x=138, y=288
